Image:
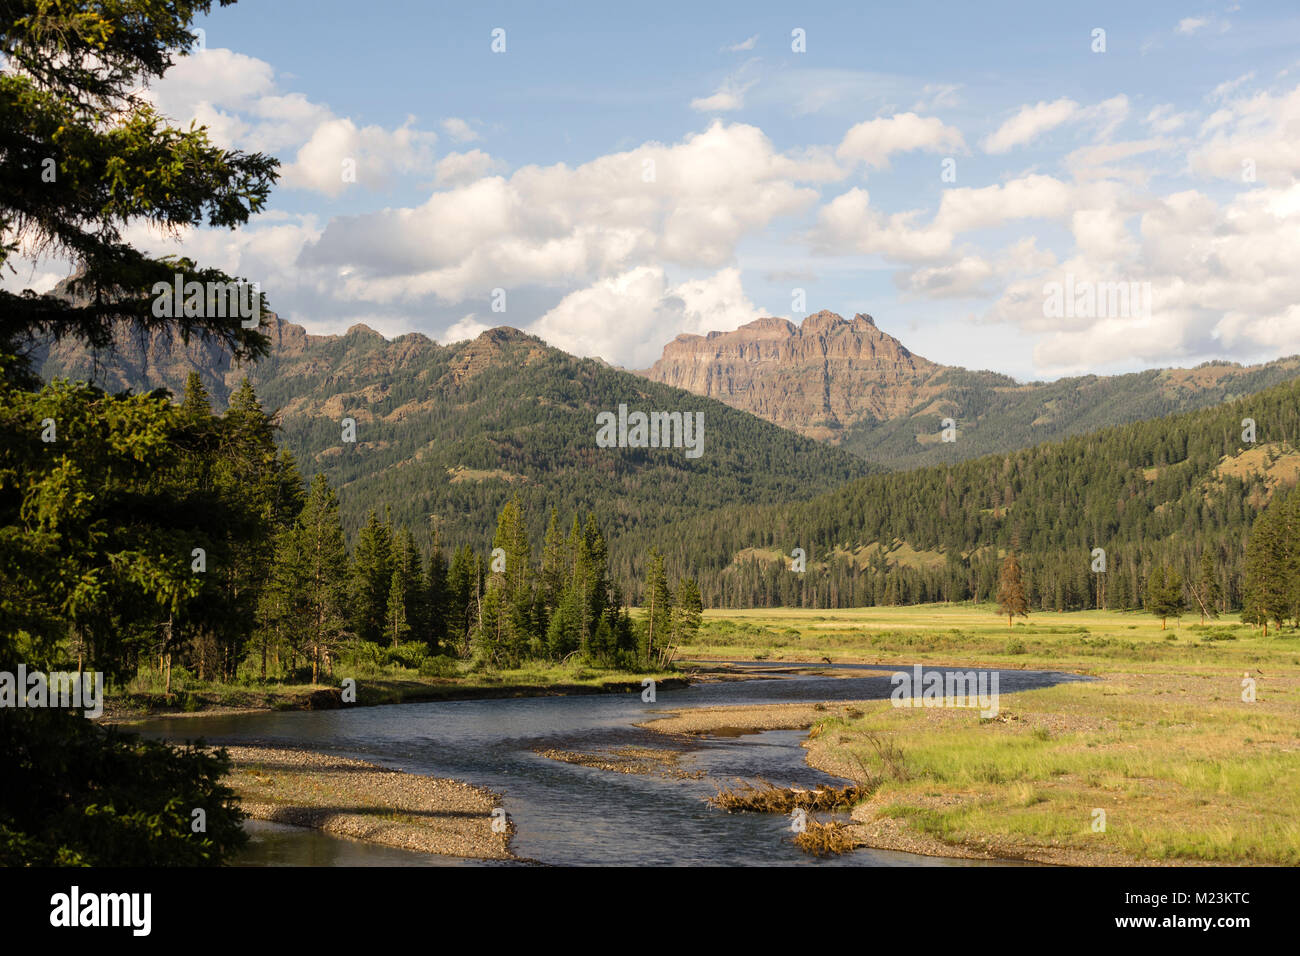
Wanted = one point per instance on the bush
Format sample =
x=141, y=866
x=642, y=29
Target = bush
x=440, y=666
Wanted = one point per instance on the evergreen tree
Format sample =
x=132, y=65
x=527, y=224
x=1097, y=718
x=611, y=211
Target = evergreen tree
x=1206, y=592
x=1165, y=594
x=437, y=598
x=372, y=576
x=313, y=572
x=1270, y=578
x=195, y=401
x=689, y=612
x=462, y=593
x=403, y=616
x=658, y=608
x=553, y=577
x=1012, y=599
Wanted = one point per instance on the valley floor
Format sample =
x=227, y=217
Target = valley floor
x=1163, y=759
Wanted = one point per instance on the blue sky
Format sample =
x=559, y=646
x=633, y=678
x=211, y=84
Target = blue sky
x=1169, y=161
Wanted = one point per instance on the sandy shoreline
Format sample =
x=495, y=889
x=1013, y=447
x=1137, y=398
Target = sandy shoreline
x=352, y=798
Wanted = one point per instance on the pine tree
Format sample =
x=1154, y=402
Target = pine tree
x=1165, y=594
x=437, y=597
x=312, y=569
x=688, y=613
x=402, y=617
x=562, y=632
x=195, y=402
x=1270, y=585
x=658, y=607
x=515, y=636
x=554, y=565
x=462, y=592
x=1206, y=593
x=372, y=575
x=1012, y=599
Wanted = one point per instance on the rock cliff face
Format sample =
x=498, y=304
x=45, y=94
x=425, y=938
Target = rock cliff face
x=817, y=378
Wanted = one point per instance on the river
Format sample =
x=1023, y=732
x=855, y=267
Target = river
x=566, y=813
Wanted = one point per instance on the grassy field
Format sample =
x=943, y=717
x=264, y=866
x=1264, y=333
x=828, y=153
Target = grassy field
x=1162, y=743
x=1088, y=642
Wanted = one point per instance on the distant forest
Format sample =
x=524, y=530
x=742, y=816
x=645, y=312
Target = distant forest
x=1168, y=491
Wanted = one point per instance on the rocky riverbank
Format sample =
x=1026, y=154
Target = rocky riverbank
x=352, y=798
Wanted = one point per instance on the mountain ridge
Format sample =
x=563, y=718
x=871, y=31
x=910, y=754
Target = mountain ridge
x=849, y=383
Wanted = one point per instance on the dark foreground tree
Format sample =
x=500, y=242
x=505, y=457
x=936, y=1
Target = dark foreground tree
x=95, y=548
x=83, y=154
x=78, y=794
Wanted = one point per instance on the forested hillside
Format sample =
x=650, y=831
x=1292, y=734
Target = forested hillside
x=446, y=435
x=994, y=413
x=1148, y=493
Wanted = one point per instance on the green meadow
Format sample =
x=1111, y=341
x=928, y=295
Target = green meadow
x=1162, y=742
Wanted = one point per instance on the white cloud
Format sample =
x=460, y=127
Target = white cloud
x=873, y=141
x=1222, y=277
x=626, y=319
x=936, y=96
x=459, y=130
x=1163, y=119
x=968, y=277
x=238, y=98
x=1252, y=134
x=1029, y=123
x=1099, y=162
x=468, y=327
x=339, y=154
x=850, y=221
x=1189, y=25
x=748, y=44
x=458, y=169
x=558, y=226
x=730, y=95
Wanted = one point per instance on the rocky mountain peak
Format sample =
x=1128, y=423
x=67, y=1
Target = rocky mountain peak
x=817, y=377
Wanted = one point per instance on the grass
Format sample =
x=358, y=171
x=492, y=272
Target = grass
x=1087, y=642
x=389, y=684
x=1163, y=744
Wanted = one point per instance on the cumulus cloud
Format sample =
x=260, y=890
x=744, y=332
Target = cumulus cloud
x=240, y=101
x=339, y=154
x=1221, y=276
x=968, y=277
x=747, y=44
x=849, y=220
x=459, y=130
x=626, y=319
x=1253, y=138
x=688, y=204
x=457, y=169
x=729, y=96
x=1029, y=123
x=1164, y=119
x=874, y=141
x=468, y=327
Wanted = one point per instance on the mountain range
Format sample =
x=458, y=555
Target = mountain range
x=446, y=434
x=798, y=419
x=850, y=384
